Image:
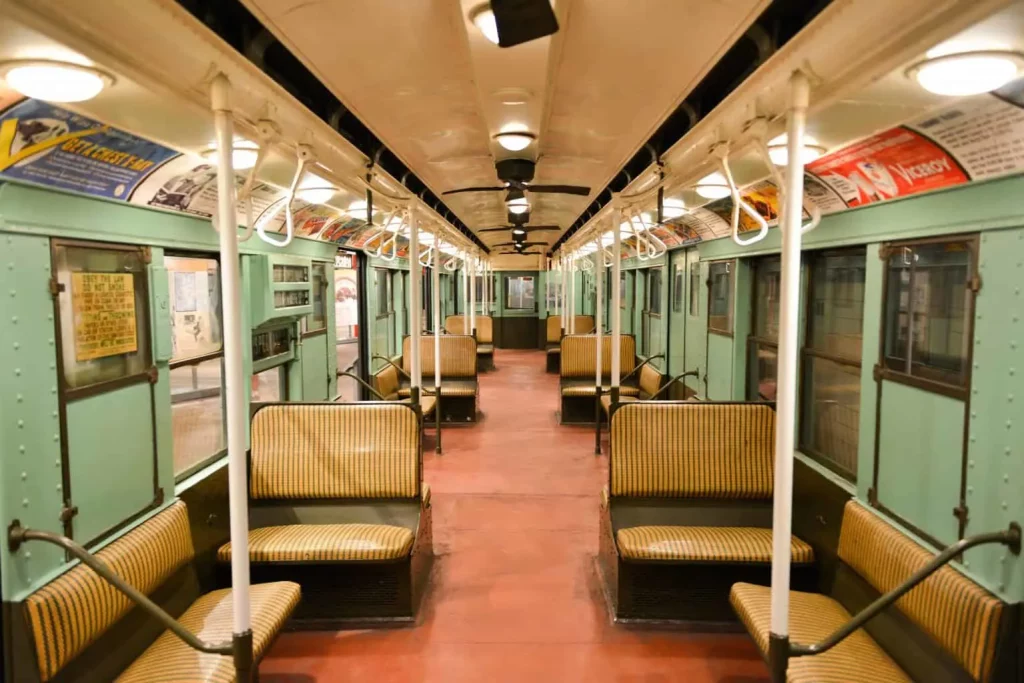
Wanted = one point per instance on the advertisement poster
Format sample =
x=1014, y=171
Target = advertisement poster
x=44, y=144
x=104, y=312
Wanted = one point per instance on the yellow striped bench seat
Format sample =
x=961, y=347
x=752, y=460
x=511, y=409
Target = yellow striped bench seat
x=427, y=405
x=325, y=543
x=169, y=660
x=813, y=617
x=591, y=390
x=448, y=387
x=734, y=545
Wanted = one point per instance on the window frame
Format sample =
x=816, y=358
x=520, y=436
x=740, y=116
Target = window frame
x=508, y=293
x=198, y=360
x=755, y=341
x=652, y=301
x=808, y=353
x=960, y=390
x=693, y=305
x=328, y=299
x=384, y=273
x=730, y=265
x=678, y=288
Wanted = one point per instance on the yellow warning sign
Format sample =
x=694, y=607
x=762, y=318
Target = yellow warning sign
x=104, y=309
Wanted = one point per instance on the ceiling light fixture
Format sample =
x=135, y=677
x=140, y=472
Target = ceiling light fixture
x=515, y=141
x=316, y=190
x=54, y=81
x=518, y=231
x=516, y=201
x=967, y=73
x=778, y=150
x=713, y=186
x=482, y=17
x=672, y=208
x=243, y=154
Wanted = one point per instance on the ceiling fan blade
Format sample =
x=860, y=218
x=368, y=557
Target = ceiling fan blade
x=475, y=189
x=578, y=190
x=520, y=21
x=533, y=244
x=507, y=227
x=504, y=244
x=551, y=229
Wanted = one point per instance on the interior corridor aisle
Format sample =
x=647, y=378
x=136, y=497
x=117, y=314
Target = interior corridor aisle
x=514, y=595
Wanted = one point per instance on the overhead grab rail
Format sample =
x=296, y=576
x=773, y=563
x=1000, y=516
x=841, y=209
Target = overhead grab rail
x=304, y=154
x=738, y=204
x=1011, y=538
x=17, y=535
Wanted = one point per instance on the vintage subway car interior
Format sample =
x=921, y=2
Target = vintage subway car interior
x=542, y=340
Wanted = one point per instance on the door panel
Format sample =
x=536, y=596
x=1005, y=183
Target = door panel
x=676, y=312
x=315, y=368
x=113, y=477
x=695, y=351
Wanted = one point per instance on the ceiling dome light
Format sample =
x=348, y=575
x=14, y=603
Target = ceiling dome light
x=517, y=204
x=713, y=187
x=54, y=81
x=779, y=153
x=967, y=73
x=316, y=190
x=483, y=18
x=515, y=141
x=243, y=154
x=672, y=208
x=518, y=231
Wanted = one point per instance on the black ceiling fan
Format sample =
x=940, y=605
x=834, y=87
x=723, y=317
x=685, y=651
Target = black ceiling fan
x=519, y=244
x=518, y=253
x=517, y=174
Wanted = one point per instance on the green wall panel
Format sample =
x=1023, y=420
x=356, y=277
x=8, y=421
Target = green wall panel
x=315, y=369
x=995, y=467
x=676, y=329
x=30, y=470
x=696, y=335
x=720, y=360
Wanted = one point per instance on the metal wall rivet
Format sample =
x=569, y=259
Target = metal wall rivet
x=49, y=316
x=21, y=448
x=56, y=463
x=51, y=342
x=17, y=372
x=1002, y=587
x=24, y=502
x=56, y=437
x=970, y=463
x=28, y=554
x=1002, y=558
x=973, y=439
x=14, y=319
x=970, y=489
x=24, y=476
x=1006, y=478
x=56, y=414
x=1007, y=450
x=1005, y=505
x=20, y=398
x=974, y=414
x=13, y=293
x=53, y=366
x=10, y=266
x=21, y=424
x=1009, y=424
x=53, y=390
x=59, y=487
x=967, y=564
x=1009, y=398
x=17, y=346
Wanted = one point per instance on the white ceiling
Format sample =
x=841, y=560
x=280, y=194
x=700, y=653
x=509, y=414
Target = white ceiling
x=436, y=91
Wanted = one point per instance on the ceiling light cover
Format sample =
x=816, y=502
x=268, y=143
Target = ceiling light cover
x=514, y=141
x=713, y=187
x=518, y=205
x=53, y=81
x=968, y=73
x=315, y=190
x=779, y=152
x=672, y=208
x=243, y=154
x=483, y=18
x=518, y=231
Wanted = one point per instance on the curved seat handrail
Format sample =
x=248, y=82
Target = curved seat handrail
x=1011, y=538
x=659, y=392
x=401, y=370
x=17, y=534
x=640, y=365
x=366, y=385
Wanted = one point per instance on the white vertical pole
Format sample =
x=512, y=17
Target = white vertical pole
x=616, y=295
x=472, y=294
x=435, y=277
x=562, y=294
x=415, y=300
x=465, y=288
x=234, y=379
x=785, y=423
x=598, y=293
x=572, y=293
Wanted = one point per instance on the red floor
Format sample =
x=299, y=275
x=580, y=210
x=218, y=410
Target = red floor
x=514, y=594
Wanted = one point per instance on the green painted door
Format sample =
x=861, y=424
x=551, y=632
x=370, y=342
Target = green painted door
x=316, y=375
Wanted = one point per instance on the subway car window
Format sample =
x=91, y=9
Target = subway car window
x=654, y=291
x=197, y=418
x=317, y=320
x=928, y=309
x=720, y=304
x=695, y=289
x=520, y=293
x=764, y=340
x=677, y=289
x=832, y=360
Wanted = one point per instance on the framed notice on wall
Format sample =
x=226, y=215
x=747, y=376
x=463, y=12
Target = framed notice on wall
x=104, y=314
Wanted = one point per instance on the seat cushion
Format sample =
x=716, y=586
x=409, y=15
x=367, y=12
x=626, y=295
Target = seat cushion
x=325, y=543
x=169, y=660
x=606, y=401
x=813, y=617
x=448, y=387
x=706, y=544
x=427, y=405
x=582, y=389
x=485, y=349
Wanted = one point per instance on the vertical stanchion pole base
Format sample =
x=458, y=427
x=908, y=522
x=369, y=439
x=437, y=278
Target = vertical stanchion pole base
x=778, y=657
x=597, y=421
x=437, y=420
x=241, y=652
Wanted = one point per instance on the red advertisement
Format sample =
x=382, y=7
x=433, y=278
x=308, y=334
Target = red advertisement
x=896, y=163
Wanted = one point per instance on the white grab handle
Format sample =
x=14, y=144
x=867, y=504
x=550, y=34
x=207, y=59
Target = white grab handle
x=304, y=156
x=812, y=207
x=737, y=205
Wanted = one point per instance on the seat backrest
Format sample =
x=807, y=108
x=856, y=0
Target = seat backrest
x=73, y=610
x=387, y=382
x=458, y=356
x=650, y=380
x=456, y=324
x=554, y=329
x=961, y=616
x=320, y=451
x=686, y=449
x=579, y=356
x=584, y=324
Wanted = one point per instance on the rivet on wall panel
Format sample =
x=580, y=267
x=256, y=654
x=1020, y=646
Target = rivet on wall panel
x=24, y=502
x=21, y=448
x=56, y=414
x=59, y=487
x=1009, y=424
x=56, y=463
x=1013, y=345
x=970, y=489
x=49, y=316
x=967, y=565
x=1007, y=450
x=20, y=398
x=1006, y=478
x=53, y=390
x=28, y=554
x=973, y=439
x=970, y=463
x=21, y=424
x=13, y=293
x=1009, y=397
x=56, y=437
x=24, y=475
x=17, y=372
x=14, y=319
x=10, y=266
x=974, y=414
x=1005, y=504
x=53, y=366
x=18, y=346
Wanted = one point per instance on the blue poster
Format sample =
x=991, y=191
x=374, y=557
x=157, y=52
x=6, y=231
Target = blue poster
x=51, y=146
